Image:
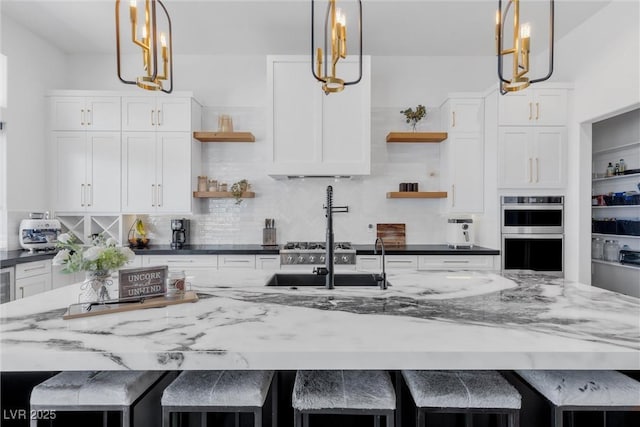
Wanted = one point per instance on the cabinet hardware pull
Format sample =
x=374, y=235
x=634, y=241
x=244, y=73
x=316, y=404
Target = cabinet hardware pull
x=537, y=110
x=21, y=292
x=153, y=195
x=40, y=267
x=152, y=124
x=453, y=195
x=90, y=189
x=537, y=169
x=82, y=117
x=453, y=123
x=160, y=117
x=90, y=117
x=180, y=260
x=530, y=111
x=237, y=260
x=368, y=259
x=81, y=194
x=160, y=198
x=530, y=169
x=399, y=261
x=448, y=261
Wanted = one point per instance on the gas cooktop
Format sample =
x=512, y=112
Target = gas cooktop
x=316, y=246
x=313, y=253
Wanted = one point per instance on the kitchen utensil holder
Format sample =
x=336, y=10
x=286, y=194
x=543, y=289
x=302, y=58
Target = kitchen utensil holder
x=268, y=236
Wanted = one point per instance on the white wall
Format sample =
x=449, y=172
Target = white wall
x=34, y=66
x=602, y=58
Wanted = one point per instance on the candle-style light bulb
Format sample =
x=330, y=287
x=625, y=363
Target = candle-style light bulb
x=525, y=31
x=498, y=31
x=163, y=40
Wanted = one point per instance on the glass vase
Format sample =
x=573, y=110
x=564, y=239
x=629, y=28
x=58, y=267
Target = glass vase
x=95, y=287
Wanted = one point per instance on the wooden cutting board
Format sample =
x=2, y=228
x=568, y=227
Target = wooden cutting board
x=392, y=234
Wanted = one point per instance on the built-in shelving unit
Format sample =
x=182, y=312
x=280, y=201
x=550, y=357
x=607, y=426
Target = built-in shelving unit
x=617, y=177
x=416, y=137
x=224, y=136
x=611, y=236
x=222, y=194
x=617, y=148
x=417, y=195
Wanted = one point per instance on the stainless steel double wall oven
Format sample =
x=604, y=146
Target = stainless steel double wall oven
x=533, y=233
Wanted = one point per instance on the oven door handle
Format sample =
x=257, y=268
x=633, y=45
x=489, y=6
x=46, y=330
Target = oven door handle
x=532, y=236
x=532, y=207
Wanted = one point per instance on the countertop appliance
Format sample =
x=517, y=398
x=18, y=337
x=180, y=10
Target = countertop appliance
x=630, y=257
x=39, y=232
x=533, y=233
x=179, y=233
x=309, y=254
x=460, y=233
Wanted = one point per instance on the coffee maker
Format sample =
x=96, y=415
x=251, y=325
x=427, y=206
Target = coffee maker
x=179, y=233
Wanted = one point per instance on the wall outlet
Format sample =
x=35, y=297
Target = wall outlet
x=370, y=228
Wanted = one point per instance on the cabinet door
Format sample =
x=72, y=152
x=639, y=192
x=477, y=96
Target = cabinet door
x=236, y=261
x=467, y=172
x=70, y=163
x=268, y=262
x=139, y=193
x=295, y=117
x=549, y=157
x=173, y=160
x=515, y=161
x=139, y=113
x=102, y=113
x=401, y=262
x=369, y=263
x=67, y=113
x=103, y=171
x=550, y=107
x=346, y=142
x=466, y=115
x=33, y=285
x=173, y=114
x=516, y=109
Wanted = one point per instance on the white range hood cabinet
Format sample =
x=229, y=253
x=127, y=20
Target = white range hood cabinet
x=311, y=134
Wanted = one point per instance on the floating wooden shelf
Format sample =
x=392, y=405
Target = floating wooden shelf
x=222, y=194
x=417, y=195
x=224, y=136
x=416, y=136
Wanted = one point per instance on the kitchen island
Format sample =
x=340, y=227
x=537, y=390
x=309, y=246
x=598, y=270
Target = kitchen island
x=424, y=320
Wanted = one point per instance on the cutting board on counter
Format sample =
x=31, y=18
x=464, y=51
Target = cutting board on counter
x=392, y=234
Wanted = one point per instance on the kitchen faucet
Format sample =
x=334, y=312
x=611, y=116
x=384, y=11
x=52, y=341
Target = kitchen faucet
x=382, y=278
x=328, y=269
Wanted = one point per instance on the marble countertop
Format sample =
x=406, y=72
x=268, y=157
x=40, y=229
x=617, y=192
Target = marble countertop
x=425, y=320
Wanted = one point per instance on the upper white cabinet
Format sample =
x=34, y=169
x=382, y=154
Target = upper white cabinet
x=87, y=174
x=158, y=171
x=463, y=153
x=532, y=157
x=533, y=107
x=156, y=113
x=314, y=134
x=99, y=113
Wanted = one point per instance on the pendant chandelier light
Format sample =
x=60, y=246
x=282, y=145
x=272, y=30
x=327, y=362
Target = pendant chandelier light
x=335, y=47
x=519, y=52
x=153, y=37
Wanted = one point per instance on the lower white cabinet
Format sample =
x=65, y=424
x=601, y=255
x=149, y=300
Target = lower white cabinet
x=236, y=261
x=267, y=262
x=369, y=263
x=33, y=278
x=455, y=262
x=198, y=268
x=401, y=262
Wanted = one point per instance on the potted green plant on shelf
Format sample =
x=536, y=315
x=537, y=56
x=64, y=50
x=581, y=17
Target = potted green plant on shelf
x=414, y=117
x=238, y=188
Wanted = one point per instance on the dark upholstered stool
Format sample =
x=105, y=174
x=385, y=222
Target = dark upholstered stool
x=465, y=392
x=343, y=392
x=584, y=391
x=84, y=391
x=220, y=391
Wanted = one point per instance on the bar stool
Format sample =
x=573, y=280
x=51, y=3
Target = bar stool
x=465, y=392
x=343, y=392
x=220, y=391
x=84, y=391
x=584, y=391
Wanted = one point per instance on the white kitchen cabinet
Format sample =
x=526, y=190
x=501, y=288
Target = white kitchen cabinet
x=87, y=171
x=92, y=113
x=158, y=171
x=400, y=262
x=268, y=262
x=533, y=107
x=532, y=157
x=456, y=262
x=236, y=262
x=33, y=278
x=313, y=134
x=463, y=153
x=369, y=263
x=156, y=113
x=199, y=269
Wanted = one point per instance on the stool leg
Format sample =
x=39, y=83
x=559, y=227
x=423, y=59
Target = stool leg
x=398, y=413
x=104, y=418
x=376, y=421
x=297, y=418
x=556, y=417
x=305, y=420
x=203, y=419
x=236, y=419
x=391, y=416
x=126, y=417
x=274, y=398
x=257, y=417
x=166, y=420
x=468, y=420
x=421, y=418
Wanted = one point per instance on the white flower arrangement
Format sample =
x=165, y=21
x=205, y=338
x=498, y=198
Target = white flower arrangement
x=100, y=256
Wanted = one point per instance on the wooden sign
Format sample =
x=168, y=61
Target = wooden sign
x=142, y=282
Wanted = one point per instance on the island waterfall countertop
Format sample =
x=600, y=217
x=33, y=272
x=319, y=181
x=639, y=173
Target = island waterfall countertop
x=425, y=320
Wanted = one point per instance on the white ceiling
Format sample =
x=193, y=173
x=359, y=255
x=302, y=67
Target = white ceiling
x=417, y=27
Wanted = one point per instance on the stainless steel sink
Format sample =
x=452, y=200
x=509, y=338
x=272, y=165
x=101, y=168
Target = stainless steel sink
x=296, y=280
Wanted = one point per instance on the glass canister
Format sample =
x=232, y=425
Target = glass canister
x=597, y=248
x=611, y=250
x=176, y=282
